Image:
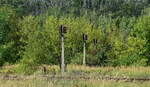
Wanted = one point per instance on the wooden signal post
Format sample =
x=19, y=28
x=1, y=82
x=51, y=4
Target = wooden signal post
x=62, y=32
x=84, y=48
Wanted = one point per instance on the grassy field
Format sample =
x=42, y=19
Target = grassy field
x=38, y=80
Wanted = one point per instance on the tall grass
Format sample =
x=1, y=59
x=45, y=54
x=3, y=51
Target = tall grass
x=35, y=80
x=41, y=82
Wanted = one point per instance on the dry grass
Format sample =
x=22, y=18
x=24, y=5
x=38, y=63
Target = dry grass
x=113, y=71
x=143, y=72
x=73, y=70
x=45, y=82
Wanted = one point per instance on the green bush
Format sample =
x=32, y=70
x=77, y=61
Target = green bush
x=27, y=66
x=9, y=40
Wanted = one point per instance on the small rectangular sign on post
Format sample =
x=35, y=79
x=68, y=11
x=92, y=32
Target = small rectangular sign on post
x=85, y=37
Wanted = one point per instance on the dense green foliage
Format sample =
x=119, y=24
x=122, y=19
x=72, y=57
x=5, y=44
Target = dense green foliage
x=29, y=31
x=9, y=38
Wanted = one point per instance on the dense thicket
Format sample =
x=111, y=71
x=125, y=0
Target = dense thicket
x=29, y=31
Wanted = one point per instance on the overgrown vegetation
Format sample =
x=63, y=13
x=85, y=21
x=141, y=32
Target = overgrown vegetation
x=69, y=83
x=9, y=77
x=29, y=32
